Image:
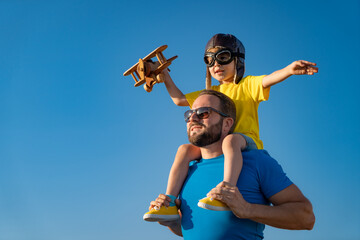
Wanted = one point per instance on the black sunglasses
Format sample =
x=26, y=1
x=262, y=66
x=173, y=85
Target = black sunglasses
x=202, y=113
x=223, y=57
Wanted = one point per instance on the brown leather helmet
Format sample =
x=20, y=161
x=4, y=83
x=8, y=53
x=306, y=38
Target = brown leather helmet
x=233, y=44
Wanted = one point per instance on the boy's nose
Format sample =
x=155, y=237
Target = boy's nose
x=216, y=63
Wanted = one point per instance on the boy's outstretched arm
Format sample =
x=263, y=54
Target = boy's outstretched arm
x=176, y=95
x=300, y=67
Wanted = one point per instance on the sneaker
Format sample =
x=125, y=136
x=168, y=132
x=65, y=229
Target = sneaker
x=213, y=204
x=163, y=213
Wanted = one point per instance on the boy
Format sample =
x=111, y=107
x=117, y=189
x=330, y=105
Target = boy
x=225, y=60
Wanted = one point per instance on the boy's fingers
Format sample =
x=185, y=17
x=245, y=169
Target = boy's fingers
x=311, y=70
x=314, y=69
x=304, y=63
x=307, y=62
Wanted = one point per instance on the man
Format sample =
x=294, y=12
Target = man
x=262, y=182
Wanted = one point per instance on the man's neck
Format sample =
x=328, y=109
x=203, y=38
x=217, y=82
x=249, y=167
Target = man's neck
x=212, y=150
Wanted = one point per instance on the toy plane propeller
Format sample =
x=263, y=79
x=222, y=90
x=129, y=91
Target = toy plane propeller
x=149, y=72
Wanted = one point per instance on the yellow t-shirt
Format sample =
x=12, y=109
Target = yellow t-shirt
x=247, y=95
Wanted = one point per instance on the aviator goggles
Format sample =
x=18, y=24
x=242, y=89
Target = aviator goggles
x=223, y=57
x=202, y=113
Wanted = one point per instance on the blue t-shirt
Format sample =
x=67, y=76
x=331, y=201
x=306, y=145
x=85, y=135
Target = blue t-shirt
x=261, y=177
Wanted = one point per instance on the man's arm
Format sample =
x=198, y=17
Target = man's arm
x=300, y=67
x=290, y=210
x=174, y=226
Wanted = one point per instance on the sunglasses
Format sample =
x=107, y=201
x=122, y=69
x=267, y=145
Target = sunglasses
x=202, y=113
x=223, y=57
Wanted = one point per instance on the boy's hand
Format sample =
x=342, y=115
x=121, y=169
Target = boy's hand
x=302, y=67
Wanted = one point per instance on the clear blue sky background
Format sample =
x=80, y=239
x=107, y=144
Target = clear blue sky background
x=83, y=152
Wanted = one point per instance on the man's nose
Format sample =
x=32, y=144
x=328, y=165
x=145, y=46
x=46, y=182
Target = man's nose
x=193, y=117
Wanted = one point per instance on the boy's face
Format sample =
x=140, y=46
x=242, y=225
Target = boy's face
x=222, y=73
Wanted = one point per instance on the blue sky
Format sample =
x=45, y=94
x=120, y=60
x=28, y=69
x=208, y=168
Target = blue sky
x=83, y=152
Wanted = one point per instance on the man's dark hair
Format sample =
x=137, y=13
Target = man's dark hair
x=227, y=105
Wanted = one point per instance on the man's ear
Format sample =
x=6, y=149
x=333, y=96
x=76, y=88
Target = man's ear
x=227, y=124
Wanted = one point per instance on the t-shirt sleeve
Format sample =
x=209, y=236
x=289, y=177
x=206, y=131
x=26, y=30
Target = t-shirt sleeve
x=255, y=88
x=190, y=97
x=272, y=177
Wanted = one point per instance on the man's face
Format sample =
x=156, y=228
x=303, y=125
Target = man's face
x=203, y=132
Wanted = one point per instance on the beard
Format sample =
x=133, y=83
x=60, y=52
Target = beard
x=208, y=136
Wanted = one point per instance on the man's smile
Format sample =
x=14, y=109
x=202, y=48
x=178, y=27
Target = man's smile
x=195, y=127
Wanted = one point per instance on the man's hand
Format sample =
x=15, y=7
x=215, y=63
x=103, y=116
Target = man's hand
x=231, y=196
x=290, y=210
x=163, y=200
x=302, y=67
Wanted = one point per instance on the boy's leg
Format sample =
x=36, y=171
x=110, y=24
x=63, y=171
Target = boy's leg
x=185, y=154
x=233, y=162
x=232, y=146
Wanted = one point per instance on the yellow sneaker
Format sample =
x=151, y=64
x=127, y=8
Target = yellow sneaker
x=213, y=204
x=162, y=214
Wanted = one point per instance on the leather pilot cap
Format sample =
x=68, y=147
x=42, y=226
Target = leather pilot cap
x=233, y=44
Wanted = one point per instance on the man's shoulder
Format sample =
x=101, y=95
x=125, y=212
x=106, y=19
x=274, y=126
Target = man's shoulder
x=259, y=154
x=259, y=158
x=270, y=175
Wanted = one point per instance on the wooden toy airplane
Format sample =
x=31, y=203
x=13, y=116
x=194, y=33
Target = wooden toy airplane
x=149, y=72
